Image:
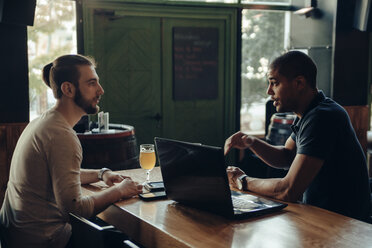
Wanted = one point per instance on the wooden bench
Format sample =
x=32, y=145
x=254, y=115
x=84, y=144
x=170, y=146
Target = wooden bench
x=9, y=134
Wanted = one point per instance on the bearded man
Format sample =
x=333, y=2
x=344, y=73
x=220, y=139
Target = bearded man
x=45, y=176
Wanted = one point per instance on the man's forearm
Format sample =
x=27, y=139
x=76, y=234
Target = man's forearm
x=275, y=156
x=104, y=198
x=271, y=187
x=88, y=176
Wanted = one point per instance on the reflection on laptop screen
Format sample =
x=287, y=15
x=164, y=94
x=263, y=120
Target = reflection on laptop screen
x=195, y=175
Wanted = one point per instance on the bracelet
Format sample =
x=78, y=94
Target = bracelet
x=101, y=172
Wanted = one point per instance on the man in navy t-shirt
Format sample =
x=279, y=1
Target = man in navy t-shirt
x=327, y=166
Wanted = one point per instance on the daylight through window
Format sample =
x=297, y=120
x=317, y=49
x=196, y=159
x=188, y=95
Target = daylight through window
x=53, y=34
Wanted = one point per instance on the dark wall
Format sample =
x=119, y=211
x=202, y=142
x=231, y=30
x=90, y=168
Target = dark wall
x=14, y=103
x=340, y=51
x=351, y=58
x=20, y=12
x=15, y=15
x=315, y=34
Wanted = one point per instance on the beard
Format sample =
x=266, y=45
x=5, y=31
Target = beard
x=85, y=104
x=280, y=109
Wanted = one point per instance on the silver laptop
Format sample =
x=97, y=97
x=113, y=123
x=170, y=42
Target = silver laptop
x=195, y=175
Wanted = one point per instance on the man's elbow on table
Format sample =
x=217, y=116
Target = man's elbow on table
x=286, y=192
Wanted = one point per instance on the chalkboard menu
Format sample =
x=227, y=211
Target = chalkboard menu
x=195, y=63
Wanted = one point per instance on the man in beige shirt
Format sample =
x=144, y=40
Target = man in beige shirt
x=45, y=176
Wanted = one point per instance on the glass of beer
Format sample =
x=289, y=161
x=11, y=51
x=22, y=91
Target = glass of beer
x=147, y=159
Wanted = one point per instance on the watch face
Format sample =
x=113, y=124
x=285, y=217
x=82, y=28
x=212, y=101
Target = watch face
x=239, y=184
x=101, y=172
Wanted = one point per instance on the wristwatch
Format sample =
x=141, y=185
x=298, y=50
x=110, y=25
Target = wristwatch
x=101, y=172
x=240, y=182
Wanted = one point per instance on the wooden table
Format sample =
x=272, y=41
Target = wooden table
x=165, y=223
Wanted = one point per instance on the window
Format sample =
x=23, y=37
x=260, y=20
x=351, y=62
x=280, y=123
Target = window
x=265, y=1
x=209, y=1
x=53, y=34
x=263, y=39
x=237, y=1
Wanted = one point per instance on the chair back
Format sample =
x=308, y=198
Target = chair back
x=96, y=234
x=359, y=118
x=86, y=233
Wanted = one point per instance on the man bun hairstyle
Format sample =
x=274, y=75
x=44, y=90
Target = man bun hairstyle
x=64, y=69
x=46, y=71
x=295, y=63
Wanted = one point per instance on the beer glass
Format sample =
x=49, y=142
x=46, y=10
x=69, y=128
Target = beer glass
x=147, y=159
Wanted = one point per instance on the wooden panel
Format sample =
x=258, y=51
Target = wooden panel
x=9, y=134
x=360, y=120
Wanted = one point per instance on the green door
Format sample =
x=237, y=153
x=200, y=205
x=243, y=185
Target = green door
x=137, y=48
x=193, y=83
x=128, y=52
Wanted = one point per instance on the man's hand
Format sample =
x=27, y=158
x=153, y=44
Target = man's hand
x=238, y=140
x=233, y=173
x=125, y=189
x=110, y=177
x=129, y=188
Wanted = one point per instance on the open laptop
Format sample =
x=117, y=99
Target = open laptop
x=195, y=175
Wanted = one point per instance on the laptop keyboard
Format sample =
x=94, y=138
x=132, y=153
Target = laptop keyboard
x=240, y=203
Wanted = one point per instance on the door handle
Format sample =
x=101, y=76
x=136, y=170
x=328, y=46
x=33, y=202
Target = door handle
x=158, y=119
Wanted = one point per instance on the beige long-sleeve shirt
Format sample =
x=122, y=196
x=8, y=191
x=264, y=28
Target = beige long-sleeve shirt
x=44, y=184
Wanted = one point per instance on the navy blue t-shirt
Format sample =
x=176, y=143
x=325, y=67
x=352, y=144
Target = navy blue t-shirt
x=342, y=184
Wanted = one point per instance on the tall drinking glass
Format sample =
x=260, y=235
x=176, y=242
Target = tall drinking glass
x=147, y=159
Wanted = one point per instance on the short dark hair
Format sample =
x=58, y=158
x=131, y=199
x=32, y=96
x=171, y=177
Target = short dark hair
x=295, y=63
x=64, y=68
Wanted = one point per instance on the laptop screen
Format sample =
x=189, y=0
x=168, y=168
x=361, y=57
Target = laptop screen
x=195, y=175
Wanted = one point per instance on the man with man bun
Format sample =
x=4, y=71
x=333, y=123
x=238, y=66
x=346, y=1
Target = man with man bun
x=45, y=175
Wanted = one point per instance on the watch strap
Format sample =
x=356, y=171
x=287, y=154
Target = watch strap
x=241, y=179
x=101, y=172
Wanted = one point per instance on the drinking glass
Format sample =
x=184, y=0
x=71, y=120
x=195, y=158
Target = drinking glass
x=147, y=159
